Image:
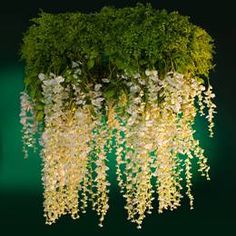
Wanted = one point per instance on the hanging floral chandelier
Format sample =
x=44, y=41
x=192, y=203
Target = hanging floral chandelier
x=129, y=81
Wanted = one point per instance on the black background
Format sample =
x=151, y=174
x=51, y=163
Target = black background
x=21, y=212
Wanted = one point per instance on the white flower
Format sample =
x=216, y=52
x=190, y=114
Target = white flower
x=79, y=115
x=202, y=87
x=129, y=84
x=132, y=119
x=136, y=76
x=151, y=73
x=148, y=146
x=137, y=100
x=176, y=107
x=154, y=73
x=130, y=110
x=154, y=78
x=23, y=120
x=178, y=75
x=45, y=137
x=212, y=95
x=80, y=102
x=105, y=80
x=74, y=64
x=149, y=123
x=42, y=76
x=52, y=75
x=97, y=87
x=59, y=79
x=141, y=81
x=57, y=89
x=125, y=77
x=97, y=102
x=171, y=81
x=49, y=82
x=147, y=72
x=134, y=89
x=141, y=93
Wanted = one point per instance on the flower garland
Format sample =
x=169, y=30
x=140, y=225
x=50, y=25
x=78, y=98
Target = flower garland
x=149, y=139
x=145, y=114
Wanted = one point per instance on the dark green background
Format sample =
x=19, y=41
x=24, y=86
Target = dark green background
x=20, y=184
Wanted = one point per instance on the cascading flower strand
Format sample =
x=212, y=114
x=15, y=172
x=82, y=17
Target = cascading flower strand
x=28, y=122
x=149, y=138
x=124, y=83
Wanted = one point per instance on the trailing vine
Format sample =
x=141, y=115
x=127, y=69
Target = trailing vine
x=132, y=79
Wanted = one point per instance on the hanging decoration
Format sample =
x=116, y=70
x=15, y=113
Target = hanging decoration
x=131, y=80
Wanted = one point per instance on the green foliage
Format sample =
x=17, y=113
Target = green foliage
x=130, y=39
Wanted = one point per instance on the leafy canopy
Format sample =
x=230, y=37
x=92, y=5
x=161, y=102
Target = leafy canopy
x=130, y=40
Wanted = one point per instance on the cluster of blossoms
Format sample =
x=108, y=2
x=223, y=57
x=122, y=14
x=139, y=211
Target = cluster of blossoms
x=153, y=138
x=157, y=142
x=69, y=139
x=27, y=119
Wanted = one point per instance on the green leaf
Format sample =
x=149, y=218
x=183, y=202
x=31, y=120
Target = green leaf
x=113, y=41
x=39, y=107
x=91, y=63
x=39, y=116
x=200, y=80
x=109, y=94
